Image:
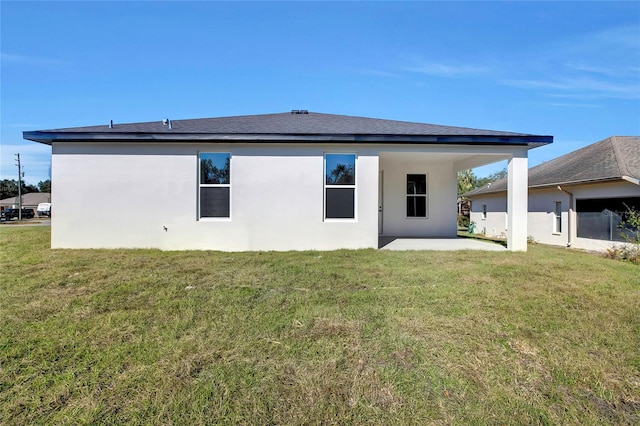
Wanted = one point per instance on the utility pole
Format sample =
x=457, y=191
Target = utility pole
x=20, y=174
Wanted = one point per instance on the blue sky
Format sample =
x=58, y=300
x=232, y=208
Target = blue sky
x=567, y=69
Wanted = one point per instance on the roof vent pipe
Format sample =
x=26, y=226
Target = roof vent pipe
x=111, y=124
x=166, y=122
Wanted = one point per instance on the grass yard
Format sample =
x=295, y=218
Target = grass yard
x=551, y=336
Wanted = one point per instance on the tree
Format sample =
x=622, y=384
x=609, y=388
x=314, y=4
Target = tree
x=492, y=178
x=213, y=175
x=630, y=226
x=341, y=174
x=44, y=185
x=467, y=181
x=631, y=223
x=27, y=188
x=8, y=188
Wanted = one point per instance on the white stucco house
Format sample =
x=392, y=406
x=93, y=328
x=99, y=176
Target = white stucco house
x=575, y=200
x=286, y=181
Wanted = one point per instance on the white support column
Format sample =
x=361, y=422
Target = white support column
x=517, y=201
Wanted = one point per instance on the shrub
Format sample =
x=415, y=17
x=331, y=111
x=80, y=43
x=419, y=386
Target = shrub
x=631, y=224
x=463, y=221
x=629, y=253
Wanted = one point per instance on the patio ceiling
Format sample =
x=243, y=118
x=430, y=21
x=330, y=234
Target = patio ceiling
x=460, y=160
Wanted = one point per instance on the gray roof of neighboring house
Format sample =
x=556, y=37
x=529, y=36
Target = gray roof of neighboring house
x=30, y=199
x=292, y=126
x=614, y=158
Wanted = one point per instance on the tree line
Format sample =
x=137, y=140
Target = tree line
x=342, y=174
x=9, y=187
x=468, y=181
x=211, y=174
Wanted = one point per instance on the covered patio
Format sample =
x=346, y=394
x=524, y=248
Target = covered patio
x=433, y=225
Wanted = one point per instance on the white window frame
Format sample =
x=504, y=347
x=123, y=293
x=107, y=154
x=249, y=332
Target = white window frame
x=325, y=187
x=214, y=185
x=425, y=195
x=557, y=217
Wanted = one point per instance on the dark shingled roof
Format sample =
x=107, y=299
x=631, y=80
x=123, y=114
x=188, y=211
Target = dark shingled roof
x=614, y=158
x=307, y=126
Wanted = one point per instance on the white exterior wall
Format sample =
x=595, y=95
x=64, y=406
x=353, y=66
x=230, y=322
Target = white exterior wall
x=441, y=196
x=495, y=223
x=123, y=195
x=541, y=212
x=542, y=216
x=145, y=195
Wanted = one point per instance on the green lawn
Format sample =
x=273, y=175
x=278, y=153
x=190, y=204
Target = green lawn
x=551, y=336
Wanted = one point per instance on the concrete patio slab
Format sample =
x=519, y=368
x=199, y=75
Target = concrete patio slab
x=396, y=243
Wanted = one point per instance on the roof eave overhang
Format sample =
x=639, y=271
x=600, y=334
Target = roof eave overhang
x=556, y=184
x=575, y=182
x=49, y=137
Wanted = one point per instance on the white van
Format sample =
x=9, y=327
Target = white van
x=44, y=209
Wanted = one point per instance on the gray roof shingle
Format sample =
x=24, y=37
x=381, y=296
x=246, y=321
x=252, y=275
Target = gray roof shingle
x=287, y=126
x=610, y=159
x=30, y=199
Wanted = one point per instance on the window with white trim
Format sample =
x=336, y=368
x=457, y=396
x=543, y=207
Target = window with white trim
x=339, y=186
x=484, y=211
x=557, y=218
x=417, y=195
x=215, y=184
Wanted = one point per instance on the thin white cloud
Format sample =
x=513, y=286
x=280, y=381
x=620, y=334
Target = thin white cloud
x=596, y=65
x=613, y=72
x=446, y=70
x=625, y=36
x=575, y=96
x=30, y=60
x=582, y=85
x=572, y=105
x=379, y=73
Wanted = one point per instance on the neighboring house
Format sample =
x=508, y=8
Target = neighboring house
x=575, y=200
x=29, y=201
x=285, y=181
